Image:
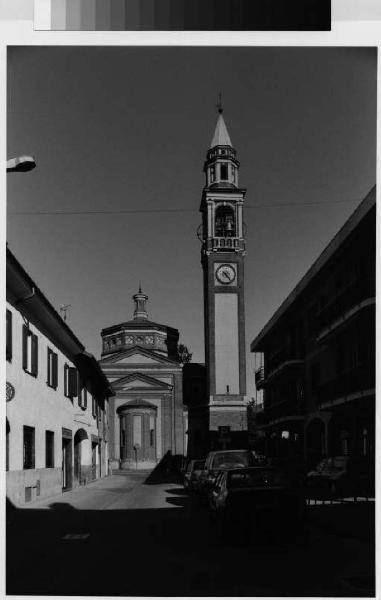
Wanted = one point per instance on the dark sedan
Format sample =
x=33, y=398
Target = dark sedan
x=243, y=501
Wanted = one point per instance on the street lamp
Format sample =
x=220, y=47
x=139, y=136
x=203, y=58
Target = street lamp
x=20, y=163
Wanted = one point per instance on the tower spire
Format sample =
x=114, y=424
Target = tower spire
x=221, y=136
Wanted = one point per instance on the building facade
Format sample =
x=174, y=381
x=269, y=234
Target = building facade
x=222, y=259
x=56, y=425
x=318, y=371
x=140, y=359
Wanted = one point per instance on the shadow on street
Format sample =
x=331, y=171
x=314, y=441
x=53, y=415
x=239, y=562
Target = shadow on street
x=175, y=551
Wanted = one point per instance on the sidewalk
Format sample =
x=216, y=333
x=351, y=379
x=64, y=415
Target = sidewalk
x=94, y=493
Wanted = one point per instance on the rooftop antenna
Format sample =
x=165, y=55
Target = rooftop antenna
x=219, y=103
x=140, y=287
x=63, y=310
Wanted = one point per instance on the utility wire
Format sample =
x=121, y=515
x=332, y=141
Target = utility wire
x=165, y=210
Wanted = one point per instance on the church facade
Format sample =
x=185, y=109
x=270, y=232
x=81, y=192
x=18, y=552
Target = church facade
x=222, y=259
x=140, y=360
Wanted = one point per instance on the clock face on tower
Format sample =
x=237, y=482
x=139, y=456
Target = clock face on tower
x=226, y=274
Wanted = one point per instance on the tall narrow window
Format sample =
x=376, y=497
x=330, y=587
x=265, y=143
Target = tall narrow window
x=81, y=393
x=9, y=336
x=30, y=351
x=224, y=171
x=49, y=449
x=28, y=459
x=212, y=174
x=52, y=379
x=94, y=407
x=225, y=222
x=70, y=381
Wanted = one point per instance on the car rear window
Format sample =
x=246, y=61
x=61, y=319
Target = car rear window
x=255, y=478
x=229, y=460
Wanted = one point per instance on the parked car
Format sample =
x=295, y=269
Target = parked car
x=244, y=501
x=341, y=476
x=222, y=460
x=192, y=474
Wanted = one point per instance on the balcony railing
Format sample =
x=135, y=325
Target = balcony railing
x=344, y=301
x=287, y=405
x=225, y=243
x=357, y=380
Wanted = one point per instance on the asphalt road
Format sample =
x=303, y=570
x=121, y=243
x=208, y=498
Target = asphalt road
x=123, y=537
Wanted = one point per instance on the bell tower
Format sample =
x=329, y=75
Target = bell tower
x=222, y=259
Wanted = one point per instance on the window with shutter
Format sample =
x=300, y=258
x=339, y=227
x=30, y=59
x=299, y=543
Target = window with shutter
x=34, y=355
x=66, y=380
x=29, y=351
x=55, y=370
x=72, y=380
x=28, y=459
x=25, y=348
x=52, y=368
x=82, y=394
x=79, y=390
x=9, y=336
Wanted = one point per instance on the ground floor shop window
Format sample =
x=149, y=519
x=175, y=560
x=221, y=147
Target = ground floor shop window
x=29, y=447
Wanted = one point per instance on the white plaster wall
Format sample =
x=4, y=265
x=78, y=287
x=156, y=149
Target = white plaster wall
x=226, y=343
x=40, y=406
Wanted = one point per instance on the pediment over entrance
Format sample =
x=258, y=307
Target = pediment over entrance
x=137, y=356
x=138, y=381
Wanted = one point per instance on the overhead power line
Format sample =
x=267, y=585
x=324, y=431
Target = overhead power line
x=166, y=210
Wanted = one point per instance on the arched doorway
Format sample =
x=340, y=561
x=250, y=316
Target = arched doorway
x=80, y=457
x=138, y=433
x=315, y=442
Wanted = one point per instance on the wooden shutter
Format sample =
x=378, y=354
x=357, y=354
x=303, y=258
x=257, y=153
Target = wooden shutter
x=66, y=379
x=79, y=391
x=34, y=355
x=55, y=370
x=9, y=335
x=72, y=377
x=25, y=347
x=49, y=377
